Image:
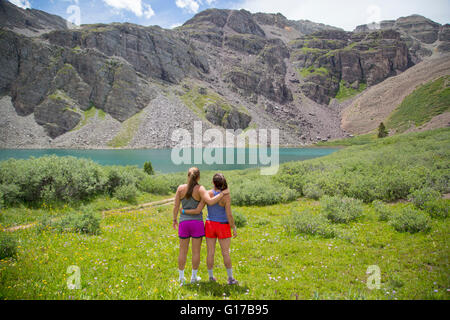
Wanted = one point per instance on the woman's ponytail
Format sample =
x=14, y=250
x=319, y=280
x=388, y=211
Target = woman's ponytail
x=193, y=175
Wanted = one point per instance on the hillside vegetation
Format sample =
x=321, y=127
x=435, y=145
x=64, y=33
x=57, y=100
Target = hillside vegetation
x=422, y=105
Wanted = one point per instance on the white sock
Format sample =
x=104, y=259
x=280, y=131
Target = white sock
x=194, y=274
x=210, y=272
x=181, y=275
x=230, y=273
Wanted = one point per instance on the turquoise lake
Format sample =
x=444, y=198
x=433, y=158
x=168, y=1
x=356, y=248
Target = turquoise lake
x=161, y=158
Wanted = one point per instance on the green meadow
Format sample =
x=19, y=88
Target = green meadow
x=310, y=232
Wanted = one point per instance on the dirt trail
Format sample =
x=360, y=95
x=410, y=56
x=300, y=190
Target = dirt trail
x=106, y=212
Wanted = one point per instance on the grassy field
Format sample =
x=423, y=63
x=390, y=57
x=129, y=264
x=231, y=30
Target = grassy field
x=23, y=214
x=134, y=256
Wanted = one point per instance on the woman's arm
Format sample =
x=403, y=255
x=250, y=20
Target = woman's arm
x=230, y=215
x=207, y=198
x=176, y=206
x=197, y=210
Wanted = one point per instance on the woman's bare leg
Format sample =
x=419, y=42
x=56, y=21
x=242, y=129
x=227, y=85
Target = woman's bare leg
x=196, y=248
x=182, y=256
x=211, y=249
x=225, y=246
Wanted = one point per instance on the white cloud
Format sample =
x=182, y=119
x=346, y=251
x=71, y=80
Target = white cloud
x=24, y=4
x=175, y=25
x=148, y=11
x=350, y=13
x=136, y=6
x=191, y=6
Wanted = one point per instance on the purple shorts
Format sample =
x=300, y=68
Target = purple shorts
x=191, y=229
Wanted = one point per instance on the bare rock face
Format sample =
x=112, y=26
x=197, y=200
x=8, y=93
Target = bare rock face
x=227, y=118
x=36, y=67
x=207, y=17
x=444, y=33
x=305, y=27
x=245, y=43
x=86, y=76
x=417, y=32
x=57, y=114
x=419, y=27
x=69, y=81
x=444, y=37
x=9, y=60
x=242, y=22
x=326, y=60
x=152, y=51
x=31, y=22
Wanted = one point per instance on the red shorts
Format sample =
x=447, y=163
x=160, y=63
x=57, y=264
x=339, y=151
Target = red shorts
x=219, y=230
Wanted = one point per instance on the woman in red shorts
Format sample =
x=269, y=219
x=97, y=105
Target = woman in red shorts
x=191, y=225
x=218, y=226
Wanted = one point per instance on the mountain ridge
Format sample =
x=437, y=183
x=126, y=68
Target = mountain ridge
x=229, y=69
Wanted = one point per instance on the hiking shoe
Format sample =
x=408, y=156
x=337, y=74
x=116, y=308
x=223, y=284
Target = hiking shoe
x=181, y=281
x=212, y=279
x=232, y=281
x=195, y=280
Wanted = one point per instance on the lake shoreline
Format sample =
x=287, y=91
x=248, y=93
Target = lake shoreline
x=312, y=146
x=176, y=160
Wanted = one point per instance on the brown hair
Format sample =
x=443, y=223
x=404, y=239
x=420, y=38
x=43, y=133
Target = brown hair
x=220, y=182
x=193, y=175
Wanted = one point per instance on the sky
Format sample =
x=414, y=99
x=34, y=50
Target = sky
x=346, y=14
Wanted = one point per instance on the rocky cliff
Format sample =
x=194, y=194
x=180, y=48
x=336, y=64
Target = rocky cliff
x=229, y=69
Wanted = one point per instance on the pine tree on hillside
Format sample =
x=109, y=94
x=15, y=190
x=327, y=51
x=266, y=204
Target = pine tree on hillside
x=382, y=131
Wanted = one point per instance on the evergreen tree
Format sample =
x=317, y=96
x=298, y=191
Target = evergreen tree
x=382, y=131
x=148, y=168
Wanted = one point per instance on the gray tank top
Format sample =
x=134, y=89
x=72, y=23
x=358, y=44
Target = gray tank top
x=187, y=204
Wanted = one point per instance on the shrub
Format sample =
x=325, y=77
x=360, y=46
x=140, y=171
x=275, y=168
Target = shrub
x=341, y=210
x=313, y=191
x=308, y=223
x=51, y=178
x=10, y=194
x=410, y=220
x=123, y=176
x=155, y=185
x=87, y=222
x=261, y=192
x=8, y=246
x=126, y=193
x=383, y=211
x=437, y=208
x=239, y=219
x=148, y=168
x=419, y=197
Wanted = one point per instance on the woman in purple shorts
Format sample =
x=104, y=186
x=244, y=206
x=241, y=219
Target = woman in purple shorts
x=191, y=225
